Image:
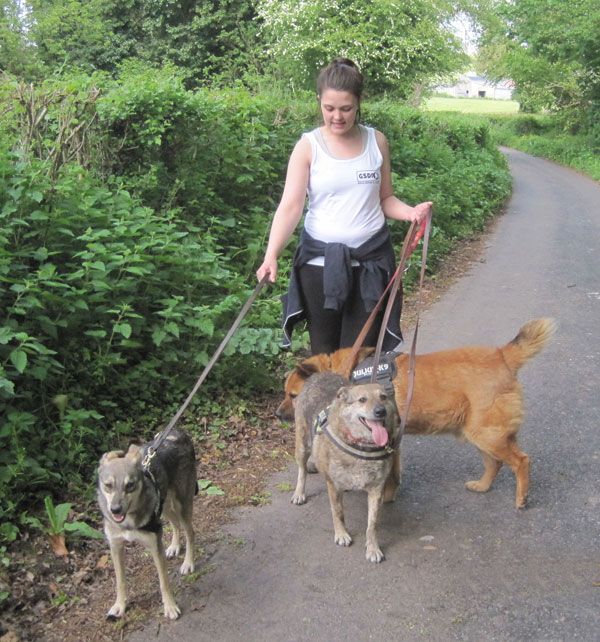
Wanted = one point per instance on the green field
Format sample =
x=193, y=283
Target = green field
x=471, y=105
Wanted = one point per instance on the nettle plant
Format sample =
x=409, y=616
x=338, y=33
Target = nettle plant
x=103, y=300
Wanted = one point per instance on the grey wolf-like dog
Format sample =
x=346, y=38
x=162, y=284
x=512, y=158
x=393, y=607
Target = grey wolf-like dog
x=133, y=498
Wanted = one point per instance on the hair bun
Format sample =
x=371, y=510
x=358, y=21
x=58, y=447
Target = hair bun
x=344, y=61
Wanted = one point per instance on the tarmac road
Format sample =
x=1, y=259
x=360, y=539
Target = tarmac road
x=459, y=565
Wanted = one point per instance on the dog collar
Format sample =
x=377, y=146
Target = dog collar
x=369, y=453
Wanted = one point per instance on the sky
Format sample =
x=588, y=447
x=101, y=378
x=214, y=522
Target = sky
x=463, y=28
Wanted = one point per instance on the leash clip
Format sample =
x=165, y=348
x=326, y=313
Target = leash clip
x=321, y=420
x=148, y=458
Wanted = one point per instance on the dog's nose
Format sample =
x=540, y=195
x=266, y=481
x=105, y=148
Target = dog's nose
x=380, y=412
x=116, y=510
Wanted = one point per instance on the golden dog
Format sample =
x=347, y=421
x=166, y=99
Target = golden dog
x=471, y=392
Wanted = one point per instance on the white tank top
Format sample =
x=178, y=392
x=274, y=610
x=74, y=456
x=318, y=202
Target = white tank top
x=344, y=204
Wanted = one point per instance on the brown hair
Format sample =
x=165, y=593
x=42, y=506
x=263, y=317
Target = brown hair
x=343, y=75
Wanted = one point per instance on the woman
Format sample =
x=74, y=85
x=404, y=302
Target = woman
x=345, y=258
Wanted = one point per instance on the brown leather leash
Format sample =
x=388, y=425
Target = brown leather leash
x=409, y=244
x=152, y=451
x=413, y=347
x=410, y=241
x=412, y=237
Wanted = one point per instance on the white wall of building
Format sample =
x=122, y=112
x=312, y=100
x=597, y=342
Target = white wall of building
x=472, y=86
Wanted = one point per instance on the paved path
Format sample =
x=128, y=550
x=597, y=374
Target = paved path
x=459, y=565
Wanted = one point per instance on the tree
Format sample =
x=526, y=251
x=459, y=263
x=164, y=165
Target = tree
x=205, y=38
x=397, y=44
x=68, y=34
x=18, y=54
x=550, y=48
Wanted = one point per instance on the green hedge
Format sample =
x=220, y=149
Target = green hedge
x=133, y=215
x=564, y=138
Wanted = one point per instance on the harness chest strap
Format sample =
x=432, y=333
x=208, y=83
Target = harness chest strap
x=369, y=453
x=154, y=523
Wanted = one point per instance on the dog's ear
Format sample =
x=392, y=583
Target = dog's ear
x=305, y=369
x=113, y=454
x=134, y=453
x=343, y=394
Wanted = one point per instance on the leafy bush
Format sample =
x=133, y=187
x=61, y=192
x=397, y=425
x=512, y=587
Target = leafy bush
x=103, y=302
x=565, y=138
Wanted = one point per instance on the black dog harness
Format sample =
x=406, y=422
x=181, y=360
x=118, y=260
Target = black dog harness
x=154, y=525
x=386, y=371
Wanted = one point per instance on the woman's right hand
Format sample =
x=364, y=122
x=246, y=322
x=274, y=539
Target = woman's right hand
x=269, y=267
x=289, y=210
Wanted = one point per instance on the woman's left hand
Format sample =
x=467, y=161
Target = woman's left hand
x=420, y=211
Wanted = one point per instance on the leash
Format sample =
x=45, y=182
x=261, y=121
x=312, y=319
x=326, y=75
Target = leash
x=165, y=433
x=411, y=239
x=410, y=242
x=413, y=348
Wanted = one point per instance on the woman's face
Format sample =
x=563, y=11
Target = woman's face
x=339, y=109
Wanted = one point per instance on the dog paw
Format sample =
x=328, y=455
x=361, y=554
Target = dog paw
x=477, y=486
x=343, y=539
x=521, y=503
x=172, y=611
x=389, y=495
x=374, y=554
x=187, y=567
x=298, y=499
x=117, y=610
x=172, y=551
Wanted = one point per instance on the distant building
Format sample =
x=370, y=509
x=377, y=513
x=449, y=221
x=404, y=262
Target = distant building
x=470, y=85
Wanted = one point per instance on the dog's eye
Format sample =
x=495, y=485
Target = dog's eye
x=107, y=487
x=292, y=395
x=383, y=397
x=130, y=487
x=362, y=400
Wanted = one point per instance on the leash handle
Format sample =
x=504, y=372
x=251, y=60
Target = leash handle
x=418, y=235
x=213, y=359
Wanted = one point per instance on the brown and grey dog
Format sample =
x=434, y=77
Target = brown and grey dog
x=349, y=430
x=132, y=499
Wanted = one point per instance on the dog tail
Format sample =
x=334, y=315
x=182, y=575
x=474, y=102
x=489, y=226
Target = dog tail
x=531, y=339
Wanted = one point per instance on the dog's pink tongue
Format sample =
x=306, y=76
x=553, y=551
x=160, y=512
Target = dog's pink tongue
x=380, y=435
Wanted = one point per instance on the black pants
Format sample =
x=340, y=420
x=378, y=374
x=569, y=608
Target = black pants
x=330, y=330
